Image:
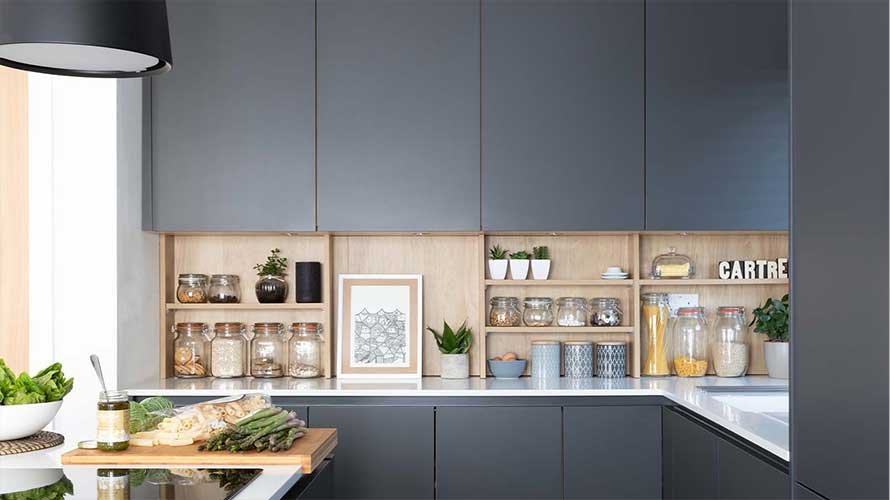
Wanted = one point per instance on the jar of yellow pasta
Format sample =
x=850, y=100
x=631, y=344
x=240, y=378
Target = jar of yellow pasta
x=656, y=344
x=690, y=342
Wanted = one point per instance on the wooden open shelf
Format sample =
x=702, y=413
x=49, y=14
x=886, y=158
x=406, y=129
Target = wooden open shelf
x=246, y=307
x=559, y=329
x=627, y=282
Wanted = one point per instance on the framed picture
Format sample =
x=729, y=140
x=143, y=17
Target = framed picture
x=379, y=325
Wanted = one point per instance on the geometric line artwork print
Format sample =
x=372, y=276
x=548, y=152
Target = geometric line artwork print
x=380, y=338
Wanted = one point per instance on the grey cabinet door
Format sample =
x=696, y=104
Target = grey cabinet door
x=742, y=476
x=398, y=115
x=612, y=452
x=498, y=452
x=717, y=115
x=382, y=451
x=689, y=454
x=233, y=124
x=839, y=218
x=562, y=115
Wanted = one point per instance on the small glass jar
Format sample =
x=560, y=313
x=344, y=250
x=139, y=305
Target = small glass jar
x=729, y=342
x=605, y=311
x=690, y=342
x=655, y=335
x=268, y=350
x=113, y=419
x=191, y=350
x=225, y=289
x=504, y=312
x=538, y=311
x=228, y=350
x=672, y=265
x=572, y=311
x=304, y=350
x=192, y=289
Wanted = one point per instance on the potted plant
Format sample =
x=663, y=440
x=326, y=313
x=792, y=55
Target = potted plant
x=453, y=349
x=519, y=265
x=772, y=319
x=271, y=288
x=540, y=263
x=497, y=262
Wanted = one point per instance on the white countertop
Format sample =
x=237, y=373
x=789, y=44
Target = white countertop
x=759, y=427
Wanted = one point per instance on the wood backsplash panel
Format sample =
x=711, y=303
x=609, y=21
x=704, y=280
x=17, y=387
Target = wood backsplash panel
x=450, y=269
x=574, y=256
x=708, y=249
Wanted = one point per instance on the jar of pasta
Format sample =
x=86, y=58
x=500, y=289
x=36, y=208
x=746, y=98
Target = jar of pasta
x=191, y=350
x=690, y=342
x=656, y=344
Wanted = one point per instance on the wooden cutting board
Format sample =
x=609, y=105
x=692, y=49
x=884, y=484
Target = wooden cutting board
x=307, y=452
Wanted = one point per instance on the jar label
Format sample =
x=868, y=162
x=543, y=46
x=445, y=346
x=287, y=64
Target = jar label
x=113, y=426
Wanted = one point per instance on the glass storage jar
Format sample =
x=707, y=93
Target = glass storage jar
x=225, y=289
x=304, y=350
x=504, y=312
x=572, y=311
x=672, y=265
x=656, y=341
x=191, y=350
x=113, y=421
x=690, y=342
x=729, y=342
x=605, y=311
x=228, y=350
x=538, y=311
x=268, y=350
x=192, y=289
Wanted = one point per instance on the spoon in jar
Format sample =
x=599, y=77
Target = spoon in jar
x=98, y=367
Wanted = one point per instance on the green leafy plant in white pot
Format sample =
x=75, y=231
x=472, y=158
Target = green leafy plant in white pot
x=772, y=319
x=497, y=262
x=454, y=348
x=540, y=263
x=519, y=265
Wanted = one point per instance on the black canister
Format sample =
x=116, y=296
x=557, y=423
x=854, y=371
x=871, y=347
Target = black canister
x=308, y=282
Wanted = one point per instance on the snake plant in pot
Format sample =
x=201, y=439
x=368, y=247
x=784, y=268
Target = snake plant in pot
x=453, y=349
x=772, y=319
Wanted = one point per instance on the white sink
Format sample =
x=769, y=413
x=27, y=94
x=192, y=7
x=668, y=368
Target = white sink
x=774, y=405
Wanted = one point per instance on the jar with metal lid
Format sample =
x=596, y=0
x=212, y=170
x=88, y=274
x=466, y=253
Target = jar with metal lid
x=572, y=311
x=729, y=342
x=192, y=289
x=605, y=311
x=229, y=350
x=113, y=419
x=690, y=342
x=304, y=350
x=268, y=350
x=655, y=335
x=191, y=350
x=504, y=312
x=545, y=359
x=225, y=289
x=672, y=265
x=538, y=311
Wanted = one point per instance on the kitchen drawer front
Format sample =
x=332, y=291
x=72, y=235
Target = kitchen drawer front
x=742, y=476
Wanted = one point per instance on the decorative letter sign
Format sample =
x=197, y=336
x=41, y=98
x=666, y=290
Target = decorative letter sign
x=753, y=269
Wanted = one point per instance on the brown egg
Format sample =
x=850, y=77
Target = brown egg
x=497, y=358
x=510, y=356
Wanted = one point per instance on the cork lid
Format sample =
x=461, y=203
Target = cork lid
x=578, y=342
x=545, y=342
x=615, y=342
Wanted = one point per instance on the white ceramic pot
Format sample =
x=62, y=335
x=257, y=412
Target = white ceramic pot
x=540, y=269
x=519, y=269
x=497, y=269
x=18, y=421
x=455, y=365
x=776, y=356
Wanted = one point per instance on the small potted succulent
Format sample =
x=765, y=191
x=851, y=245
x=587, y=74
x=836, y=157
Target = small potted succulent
x=540, y=263
x=271, y=288
x=772, y=319
x=519, y=265
x=497, y=262
x=453, y=349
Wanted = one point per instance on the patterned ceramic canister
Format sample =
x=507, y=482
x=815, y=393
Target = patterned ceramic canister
x=611, y=359
x=545, y=358
x=578, y=357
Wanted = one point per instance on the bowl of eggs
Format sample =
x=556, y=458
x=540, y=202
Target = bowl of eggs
x=507, y=366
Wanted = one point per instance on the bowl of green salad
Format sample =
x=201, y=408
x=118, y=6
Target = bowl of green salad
x=29, y=403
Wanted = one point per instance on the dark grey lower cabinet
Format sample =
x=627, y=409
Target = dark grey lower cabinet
x=743, y=476
x=382, y=451
x=612, y=452
x=498, y=452
x=317, y=486
x=689, y=452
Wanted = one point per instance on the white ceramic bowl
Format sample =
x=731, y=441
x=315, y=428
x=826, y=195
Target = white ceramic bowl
x=15, y=480
x=18, y=421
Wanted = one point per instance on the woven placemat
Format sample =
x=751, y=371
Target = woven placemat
x=40, y=441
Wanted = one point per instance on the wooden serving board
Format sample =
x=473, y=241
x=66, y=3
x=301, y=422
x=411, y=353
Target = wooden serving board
x=307, y=452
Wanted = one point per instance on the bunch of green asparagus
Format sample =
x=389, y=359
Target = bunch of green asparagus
x=270, y=429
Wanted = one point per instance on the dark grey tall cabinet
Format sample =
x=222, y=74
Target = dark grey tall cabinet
x=839, y=221
x=398, y=115
x=562, y=115
x=233, y=125
x=717, y=115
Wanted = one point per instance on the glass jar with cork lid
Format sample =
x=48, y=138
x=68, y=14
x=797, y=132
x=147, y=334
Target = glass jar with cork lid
x=691, y=342
x=191, y=350
x=229, y=350
x=304, y=350
x=268, y=350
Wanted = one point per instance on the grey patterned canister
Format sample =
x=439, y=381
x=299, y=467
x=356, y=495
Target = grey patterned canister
x=611, y=359
x=545, y=358
x=578, y=358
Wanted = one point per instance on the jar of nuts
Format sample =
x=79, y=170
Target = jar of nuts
x=191, y=350
x=192, y=289
x=504, y=312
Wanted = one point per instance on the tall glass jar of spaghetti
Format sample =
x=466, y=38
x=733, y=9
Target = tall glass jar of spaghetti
x=656, y=346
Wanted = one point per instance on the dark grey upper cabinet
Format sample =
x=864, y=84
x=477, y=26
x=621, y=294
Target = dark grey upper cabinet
x=562, y=115
x=398, y=115
x=717, y=107
x=233, y=125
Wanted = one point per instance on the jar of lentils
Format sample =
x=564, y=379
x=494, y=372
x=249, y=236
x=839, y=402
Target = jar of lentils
x=504, y=312
x=229, y=350
x=538, y=311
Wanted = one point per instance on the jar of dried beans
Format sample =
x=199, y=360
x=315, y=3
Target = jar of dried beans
x=504, y=312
